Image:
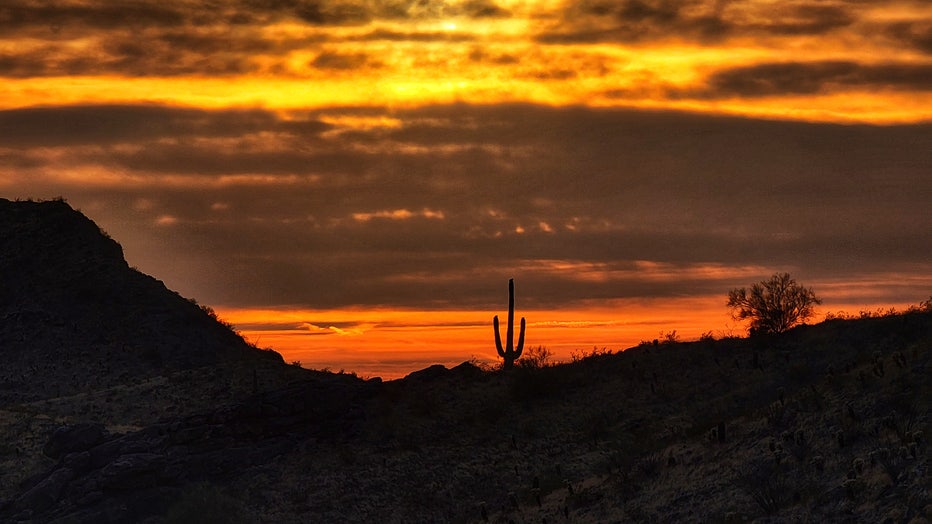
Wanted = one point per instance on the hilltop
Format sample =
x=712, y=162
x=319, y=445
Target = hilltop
x=72, y=310
x=187, y=422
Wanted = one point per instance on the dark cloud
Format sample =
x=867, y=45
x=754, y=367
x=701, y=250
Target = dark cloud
x=151, y=39
x=25, y=16
x=636, y=21
x=802, y=78
x=332, y=13
x=115, y=124
x=351, y=61
x=165, y=52
x=28, y=17
x=915, y=34
x=804, y=19
x=123, y=56
x=478, y=54
x=19, y=15
x=438, y=211
x=414, y=36
x=483, y=9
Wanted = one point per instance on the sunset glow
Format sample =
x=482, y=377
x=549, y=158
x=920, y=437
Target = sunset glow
x=354, y=182
x=392, y=343
x=825, y=61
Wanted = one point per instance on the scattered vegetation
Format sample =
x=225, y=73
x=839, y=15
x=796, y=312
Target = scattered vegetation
x=669, y=337
x=578, y=355
x=210, y=312
x=923, y=307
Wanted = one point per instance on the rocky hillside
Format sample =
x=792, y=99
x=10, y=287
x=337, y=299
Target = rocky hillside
x=84, y=338
x=823, y=423
x=72, y=312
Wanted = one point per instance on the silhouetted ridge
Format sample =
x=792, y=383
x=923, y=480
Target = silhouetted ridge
x=72, y=310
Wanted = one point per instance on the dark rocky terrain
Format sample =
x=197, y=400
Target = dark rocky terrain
x=122, y=402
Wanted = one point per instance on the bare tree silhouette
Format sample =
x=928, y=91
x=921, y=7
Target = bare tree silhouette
x=774, y=305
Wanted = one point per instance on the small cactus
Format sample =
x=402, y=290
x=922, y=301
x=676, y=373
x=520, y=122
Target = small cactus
x=509, y=353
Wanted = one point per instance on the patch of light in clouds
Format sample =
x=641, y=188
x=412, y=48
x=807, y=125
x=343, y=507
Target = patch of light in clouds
x=801, y=59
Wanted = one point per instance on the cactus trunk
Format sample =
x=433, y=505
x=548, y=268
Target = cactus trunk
x=509, y=352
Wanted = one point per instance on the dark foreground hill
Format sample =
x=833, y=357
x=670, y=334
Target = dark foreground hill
x=73, y=311
x=823, y=423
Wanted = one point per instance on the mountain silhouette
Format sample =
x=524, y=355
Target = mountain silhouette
x=72, y=310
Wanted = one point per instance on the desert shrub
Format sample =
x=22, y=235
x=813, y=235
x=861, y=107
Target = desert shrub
x=649, y=465
x=535, y=358
x=669, y=338
x=767, y=484
x=484, y=365
x=925, y=306
x=579, y=355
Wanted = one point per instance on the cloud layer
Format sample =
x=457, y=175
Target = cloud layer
x=436, y=206
x=829, y=59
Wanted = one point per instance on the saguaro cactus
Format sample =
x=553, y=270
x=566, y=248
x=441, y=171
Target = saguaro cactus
x=509, y=353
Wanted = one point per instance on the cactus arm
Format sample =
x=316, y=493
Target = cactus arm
x=498, y=338
x=520, y=346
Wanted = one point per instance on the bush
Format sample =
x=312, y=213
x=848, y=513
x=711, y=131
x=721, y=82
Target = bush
x=535, y=358
x=774, y=305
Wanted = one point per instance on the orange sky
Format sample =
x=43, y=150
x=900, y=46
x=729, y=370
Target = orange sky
x=826, y=60
x=382, y=167
x=392, y=343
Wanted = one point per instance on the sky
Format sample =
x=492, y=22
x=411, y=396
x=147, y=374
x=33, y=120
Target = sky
x=354, y=182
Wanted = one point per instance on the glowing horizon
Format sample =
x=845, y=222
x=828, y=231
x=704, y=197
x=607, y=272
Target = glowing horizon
x=391, y=343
